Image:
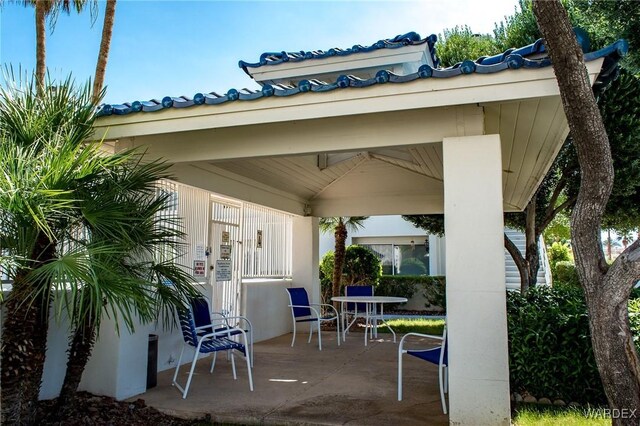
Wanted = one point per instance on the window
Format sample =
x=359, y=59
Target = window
x=402, y=259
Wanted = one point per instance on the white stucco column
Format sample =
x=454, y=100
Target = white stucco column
x=476, y=305
x=305, y=257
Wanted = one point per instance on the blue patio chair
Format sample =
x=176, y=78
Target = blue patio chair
x=303, y=311
x=436, y=355
x=217, y=321
x=356, y=310
x=209, y=342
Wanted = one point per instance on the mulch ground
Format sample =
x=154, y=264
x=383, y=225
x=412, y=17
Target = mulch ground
x=103, y=410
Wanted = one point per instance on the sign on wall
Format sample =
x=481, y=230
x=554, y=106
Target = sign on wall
x=223, y=270
x=199, y=269
x=259, y=239
x=225, y=237
x=200, y=252
x=225, y=252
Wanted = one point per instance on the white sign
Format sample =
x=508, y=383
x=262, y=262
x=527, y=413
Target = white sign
x=225, y=237
x=225, y=252
x=259, y=239
x=223, y=270
x=199, y=269
x=200, y=255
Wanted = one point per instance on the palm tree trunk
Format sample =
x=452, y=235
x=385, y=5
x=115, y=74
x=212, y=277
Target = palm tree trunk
x=41, y=68
x=82, y=341
x=340, y=251
x=103, y=54
x=24, y=339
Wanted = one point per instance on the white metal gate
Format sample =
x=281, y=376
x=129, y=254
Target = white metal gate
x=225, y=264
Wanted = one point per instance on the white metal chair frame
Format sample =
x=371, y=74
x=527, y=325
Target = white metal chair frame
x=203, y=339
x=346, y=325
x=443, y=372
x=318, y=318
x=223, y=321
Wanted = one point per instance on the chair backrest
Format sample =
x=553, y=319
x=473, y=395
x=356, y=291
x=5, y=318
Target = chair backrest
x=188, y=327
x=201, y=313
x=299, y=296
x=358, y=290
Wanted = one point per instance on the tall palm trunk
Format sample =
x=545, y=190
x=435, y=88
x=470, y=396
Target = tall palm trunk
x=41, y=14
x=24, y=340
x=82, y=342
x=340, y=252
x=105, y=44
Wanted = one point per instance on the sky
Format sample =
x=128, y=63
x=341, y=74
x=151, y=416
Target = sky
x=173, y=48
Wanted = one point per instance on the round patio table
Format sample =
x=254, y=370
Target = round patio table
x=371, y=313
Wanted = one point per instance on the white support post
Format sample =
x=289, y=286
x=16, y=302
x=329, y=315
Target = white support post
x=305, y=256
x=476, y=295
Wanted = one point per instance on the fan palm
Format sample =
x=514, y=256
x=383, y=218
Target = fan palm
x=80, y=230
x=340, y=227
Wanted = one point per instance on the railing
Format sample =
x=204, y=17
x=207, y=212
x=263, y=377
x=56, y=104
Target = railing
x=544, y=261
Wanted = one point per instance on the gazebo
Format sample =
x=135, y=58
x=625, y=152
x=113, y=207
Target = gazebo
x=381, y=129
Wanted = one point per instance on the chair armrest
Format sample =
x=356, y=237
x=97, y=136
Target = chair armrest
x=221, y=333
x=227, y=318
x=326, y=304
x=428, y=336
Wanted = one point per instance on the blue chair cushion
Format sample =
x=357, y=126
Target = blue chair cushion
x=430, y=355
x=299, y=296
x=220, y=344
x=358, y=290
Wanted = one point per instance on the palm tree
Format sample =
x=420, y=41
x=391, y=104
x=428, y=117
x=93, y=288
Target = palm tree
x=105, y=44
x=340, y=227
x=51, y=9
x=72, y=221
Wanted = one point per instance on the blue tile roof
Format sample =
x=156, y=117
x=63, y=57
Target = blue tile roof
x=402, y=40
x=511, y=59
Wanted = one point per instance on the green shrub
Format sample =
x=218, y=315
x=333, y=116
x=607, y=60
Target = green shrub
x=361, y=267
x=550, y=353
x=634, y=320
x=407, y=285
x=397, y=285
x=435, y=292
x=558, y=252
x=413, y=266
x=565, y=273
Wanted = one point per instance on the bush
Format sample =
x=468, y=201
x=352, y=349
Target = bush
x=558, y=252
x=436, y=292
x=407, y=285
x=634, y=321
x=397, y=285
x=413, y=266
x=361, y=267
x=550, y=353
x=565, y=274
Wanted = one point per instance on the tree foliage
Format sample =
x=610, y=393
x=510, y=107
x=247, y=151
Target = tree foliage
x=80, y=230
x=460, y=43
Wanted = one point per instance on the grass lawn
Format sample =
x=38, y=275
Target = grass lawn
x=551, y=416
x=418, y=325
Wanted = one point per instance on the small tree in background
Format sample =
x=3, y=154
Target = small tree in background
x=340, y=226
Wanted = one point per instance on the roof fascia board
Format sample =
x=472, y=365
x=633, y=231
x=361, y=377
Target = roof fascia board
x=336, y=134
x=378, y=58
x=429, y=93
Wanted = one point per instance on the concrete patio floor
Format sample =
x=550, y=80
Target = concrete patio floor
x=351, y=384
